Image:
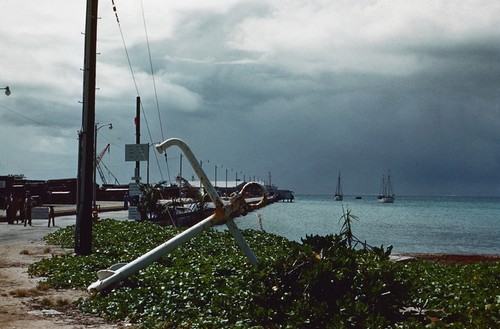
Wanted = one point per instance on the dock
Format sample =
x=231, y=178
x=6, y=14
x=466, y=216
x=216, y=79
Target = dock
x=70, y=209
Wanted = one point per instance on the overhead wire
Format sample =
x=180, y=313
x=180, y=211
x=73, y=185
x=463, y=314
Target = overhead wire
x=27, y=117
x=135, y=82
x=154, y=85
x=152, y=71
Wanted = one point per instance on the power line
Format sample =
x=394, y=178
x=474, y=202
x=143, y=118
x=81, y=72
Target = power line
x=31, y=119
x=154, y=87
x=152, y=72
x=135, y=83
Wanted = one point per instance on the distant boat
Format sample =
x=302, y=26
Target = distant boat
x=338, y=191
x=358, y=198
x=386, y=193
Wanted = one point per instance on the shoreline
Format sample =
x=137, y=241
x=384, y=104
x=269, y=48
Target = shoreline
x=66, y=215
x=453, y=258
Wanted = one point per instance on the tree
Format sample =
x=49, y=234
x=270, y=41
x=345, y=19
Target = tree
x=149, y=205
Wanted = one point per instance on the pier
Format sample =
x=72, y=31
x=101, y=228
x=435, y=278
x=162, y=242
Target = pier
x=61, y=194
x=67, y=210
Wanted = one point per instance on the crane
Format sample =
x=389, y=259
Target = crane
x=99, y=169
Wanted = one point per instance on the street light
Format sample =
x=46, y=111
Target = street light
x=201, y=165
x=215, y=185
x=236, y=184
x=203, y=161
x=7, y=90
x=149, y=145
x=96, y=128
x=226, y=175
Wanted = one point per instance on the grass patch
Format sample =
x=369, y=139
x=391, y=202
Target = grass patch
x=46, y=302
x=43, y=286
x=22, y=293
x=58, y=303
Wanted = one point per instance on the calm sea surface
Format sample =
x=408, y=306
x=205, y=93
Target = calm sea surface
x=455, y=225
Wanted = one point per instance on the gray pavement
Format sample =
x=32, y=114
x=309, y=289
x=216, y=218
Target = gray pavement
x=14, y=233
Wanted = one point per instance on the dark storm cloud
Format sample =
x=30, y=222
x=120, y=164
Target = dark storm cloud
x=300, y=90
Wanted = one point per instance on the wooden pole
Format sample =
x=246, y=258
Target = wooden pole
x=83, y=226
x=138, y=136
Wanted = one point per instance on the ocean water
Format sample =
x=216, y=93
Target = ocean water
x=453, y=225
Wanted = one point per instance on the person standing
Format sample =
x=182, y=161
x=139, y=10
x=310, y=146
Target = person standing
x=52, y=216
x=28, y=205
x=125, y=201
x=20, y=206
x=9, y=207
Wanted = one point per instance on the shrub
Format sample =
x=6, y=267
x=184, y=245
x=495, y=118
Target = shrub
x=319, y=283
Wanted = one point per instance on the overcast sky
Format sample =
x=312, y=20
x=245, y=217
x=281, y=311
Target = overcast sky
x=300, y=89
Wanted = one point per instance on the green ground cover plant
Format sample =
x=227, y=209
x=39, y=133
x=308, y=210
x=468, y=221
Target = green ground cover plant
x=320, y=282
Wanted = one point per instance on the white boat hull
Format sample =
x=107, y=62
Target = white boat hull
x=386, y=199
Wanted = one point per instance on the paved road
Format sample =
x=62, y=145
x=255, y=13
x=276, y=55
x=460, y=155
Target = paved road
x=11, y=233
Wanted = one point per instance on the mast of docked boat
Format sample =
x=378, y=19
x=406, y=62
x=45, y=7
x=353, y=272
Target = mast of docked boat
x=389, y=185
x=382, y=188
x=339, y=187
x=338, y=191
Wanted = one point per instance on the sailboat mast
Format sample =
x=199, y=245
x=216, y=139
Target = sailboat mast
x=382, y=187
x=339, y=187
x=338, y=191
x=389, y=185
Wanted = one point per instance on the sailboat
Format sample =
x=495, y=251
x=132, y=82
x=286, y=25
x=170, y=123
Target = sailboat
x=386, y=193
x=338, y=191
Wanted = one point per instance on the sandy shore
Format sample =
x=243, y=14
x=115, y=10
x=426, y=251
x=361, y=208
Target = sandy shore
x=26, y=304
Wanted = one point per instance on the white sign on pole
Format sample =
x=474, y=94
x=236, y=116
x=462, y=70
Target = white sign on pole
x=133, y=213
x=136, y=152
x=133, y=189
x=134, y=194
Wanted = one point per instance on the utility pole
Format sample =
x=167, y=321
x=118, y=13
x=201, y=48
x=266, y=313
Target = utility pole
x=180, y=167
x=83, y=226
x=138, y=137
